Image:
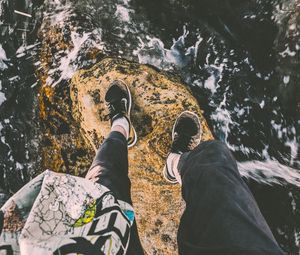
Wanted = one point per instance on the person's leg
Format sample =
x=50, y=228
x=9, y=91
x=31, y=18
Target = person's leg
x=110, y=169
x=110, y=165
x=221, y=205
x=221, y=216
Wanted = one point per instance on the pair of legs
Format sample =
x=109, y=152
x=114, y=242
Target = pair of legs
x=110, y=166
x=221, y=215
x=110, y=169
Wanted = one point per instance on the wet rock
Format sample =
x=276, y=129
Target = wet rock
x=74, y=122
x=15, y=223
x=287, y=47
x=62, y=147
x=158, y=98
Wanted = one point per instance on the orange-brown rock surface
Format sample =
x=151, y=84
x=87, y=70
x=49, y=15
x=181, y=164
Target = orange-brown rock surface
x=74, y=123
x=158, y=99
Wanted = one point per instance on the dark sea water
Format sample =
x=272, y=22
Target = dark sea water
x=240, y=58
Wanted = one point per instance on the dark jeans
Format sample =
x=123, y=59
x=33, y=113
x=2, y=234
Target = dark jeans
x=112, y=156
x=221, y=215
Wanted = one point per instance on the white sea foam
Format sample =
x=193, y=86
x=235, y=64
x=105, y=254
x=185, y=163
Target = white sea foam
x=270, y=172
x=60, y=11
x=66, y=67
x=23, y=13
x=153, y=52
x=2, y=96
x=126, y=2
x=67, y=62
x=123, y=13
x=3, y=66
x=288, y=52
x=286, y=79
x=294, y=149
x=222, y=116
x=13, y=78
x=25, y=48
x=212, y=82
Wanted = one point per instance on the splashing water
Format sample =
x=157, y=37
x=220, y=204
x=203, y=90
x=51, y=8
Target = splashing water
x=252, y=109
x=230, y=113
x=268, y=170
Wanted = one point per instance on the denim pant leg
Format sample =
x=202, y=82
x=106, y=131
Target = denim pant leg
x=112, y=156
x=221, y=215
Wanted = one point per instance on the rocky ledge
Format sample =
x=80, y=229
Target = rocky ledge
x=74, y=129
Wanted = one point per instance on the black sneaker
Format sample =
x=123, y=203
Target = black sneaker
x=186, y=135
x=119, y=102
